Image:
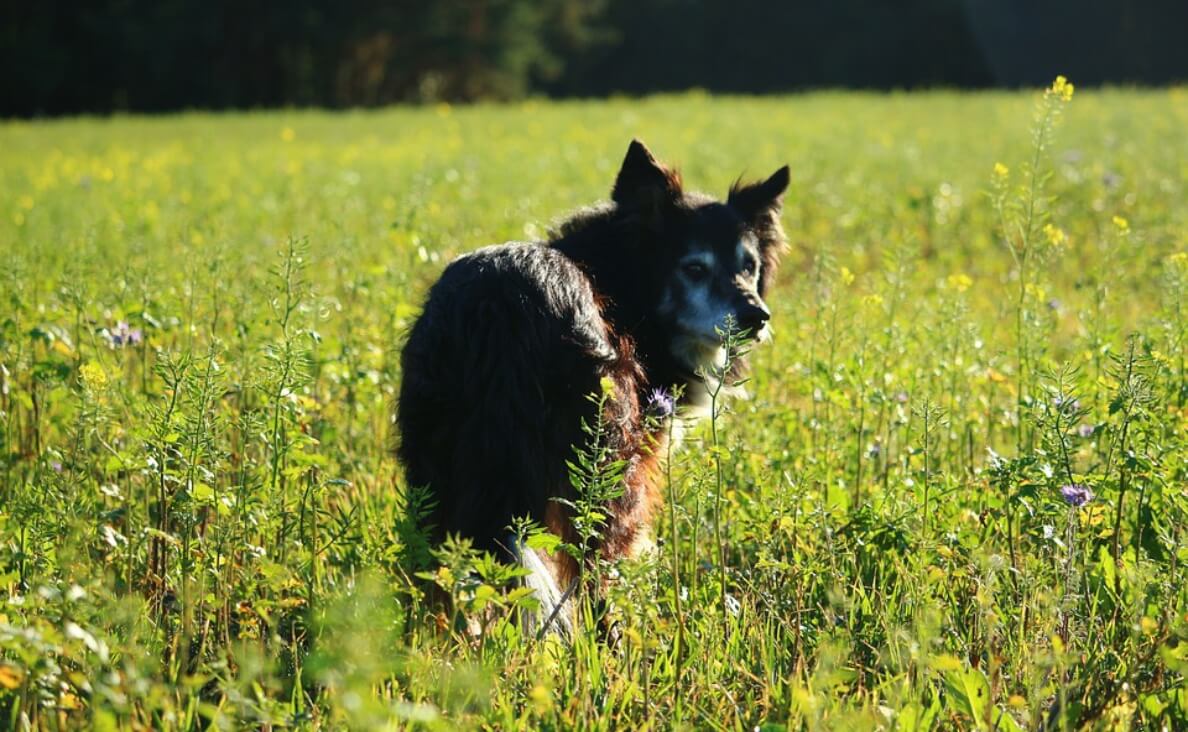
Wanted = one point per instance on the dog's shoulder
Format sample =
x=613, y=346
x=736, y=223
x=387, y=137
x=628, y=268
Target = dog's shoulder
x=529, y=288
x=514, y=264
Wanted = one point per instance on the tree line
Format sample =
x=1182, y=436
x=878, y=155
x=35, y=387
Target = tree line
x=155, y=55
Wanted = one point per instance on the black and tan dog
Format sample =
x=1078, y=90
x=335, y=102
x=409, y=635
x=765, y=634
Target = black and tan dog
x=514, y=338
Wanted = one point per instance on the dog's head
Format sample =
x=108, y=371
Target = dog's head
x=716, y=259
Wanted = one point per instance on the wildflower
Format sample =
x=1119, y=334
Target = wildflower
x=661, y=404
x=873, y=300
x=1076, y=495
x=960, y=282
x=846, y=276
x=1054, y=304
x=1055, y=235
x=1061, y=88
x=124, y=335
x=607, y=385
x=901, y=397
x=288, y=134
x=93, y=376
x=1085, y=430
x=1067, y=405
x=1001, y=171
x=1122, y=224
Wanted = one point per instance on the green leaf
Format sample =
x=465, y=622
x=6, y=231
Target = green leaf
x=543, y=540
x=1109, y=571
x=968, y=694
x=202, y=492
x=1175, y=655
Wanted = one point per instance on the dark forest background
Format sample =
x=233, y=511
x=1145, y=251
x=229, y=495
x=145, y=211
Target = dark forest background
x=153, y=55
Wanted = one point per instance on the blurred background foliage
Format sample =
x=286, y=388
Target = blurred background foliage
x=137, y=55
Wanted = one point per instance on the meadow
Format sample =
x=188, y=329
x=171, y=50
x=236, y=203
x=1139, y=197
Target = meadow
x=955, y=499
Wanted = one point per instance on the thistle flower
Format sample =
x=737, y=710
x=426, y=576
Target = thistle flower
x=1067, y=405
x=1085, y=430
x=124, y=335
x=661, y=404
x=1076, y=495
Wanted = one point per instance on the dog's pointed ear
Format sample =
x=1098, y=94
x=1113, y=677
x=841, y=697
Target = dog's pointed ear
x=759, y=204
x=644, y=181
x=757, y=200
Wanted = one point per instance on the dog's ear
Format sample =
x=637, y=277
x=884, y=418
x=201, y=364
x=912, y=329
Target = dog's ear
x=760, y=204
x=758, y=201
x=644, y=182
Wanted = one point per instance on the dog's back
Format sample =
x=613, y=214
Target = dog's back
x=497, y=371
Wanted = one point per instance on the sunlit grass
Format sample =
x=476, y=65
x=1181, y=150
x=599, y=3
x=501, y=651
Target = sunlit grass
x=201, y=521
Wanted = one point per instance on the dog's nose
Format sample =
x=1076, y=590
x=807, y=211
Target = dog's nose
x=752, y=317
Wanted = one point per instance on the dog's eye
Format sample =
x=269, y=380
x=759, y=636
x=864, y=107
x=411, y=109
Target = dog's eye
x=694, y=270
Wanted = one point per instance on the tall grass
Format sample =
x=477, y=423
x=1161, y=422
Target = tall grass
x=202, y=524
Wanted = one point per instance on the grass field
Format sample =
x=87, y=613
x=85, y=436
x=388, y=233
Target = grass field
x=202, y=524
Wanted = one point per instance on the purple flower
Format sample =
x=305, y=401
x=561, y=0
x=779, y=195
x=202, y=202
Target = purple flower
x=1085, y=430
x=124, y=335
x=1076, y=495
x=1067, y=405
x=901, y=397
x=56, y=466
x=661, y=404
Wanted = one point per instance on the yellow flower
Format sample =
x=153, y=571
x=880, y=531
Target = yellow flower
x=93, y=376
x=960, y=282
x=1055, y=235
x=1062, y=88
x=1122, y=224
x=608, y=386
x=873, y=300
x=846, y=276
x=11, y=677
x=288, y=134
x=1001, y=171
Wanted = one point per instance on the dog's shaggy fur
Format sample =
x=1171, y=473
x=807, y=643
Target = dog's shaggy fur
x=514, y=338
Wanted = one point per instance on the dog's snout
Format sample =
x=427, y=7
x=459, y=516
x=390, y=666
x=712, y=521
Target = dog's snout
x=752, y=316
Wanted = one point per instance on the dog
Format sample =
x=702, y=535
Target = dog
x=626, y=297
